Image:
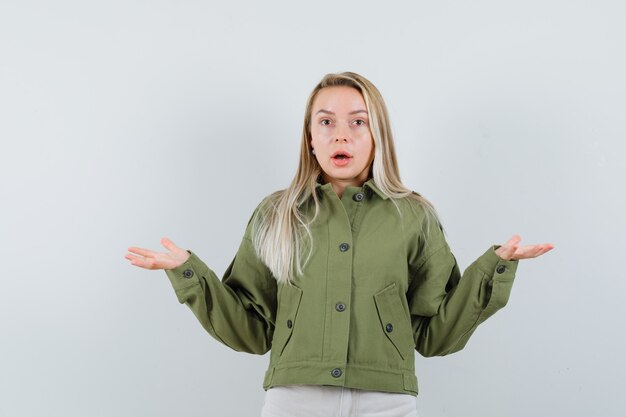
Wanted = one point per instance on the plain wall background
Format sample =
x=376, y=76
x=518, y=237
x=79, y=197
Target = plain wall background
x=125, y=121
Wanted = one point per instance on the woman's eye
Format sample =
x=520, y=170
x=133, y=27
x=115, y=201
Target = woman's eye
x=325, y=122
x=360, y=122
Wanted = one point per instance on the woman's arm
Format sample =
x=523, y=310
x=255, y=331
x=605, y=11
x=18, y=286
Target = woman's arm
x=446, y=306
x=239, y=310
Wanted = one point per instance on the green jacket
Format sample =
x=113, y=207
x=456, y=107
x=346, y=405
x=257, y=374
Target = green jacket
x=375, y=288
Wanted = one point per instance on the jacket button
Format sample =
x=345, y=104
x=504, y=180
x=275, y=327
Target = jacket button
x=289, y=324
x=344, y=247
x=357, y=197
x=389, y=327
x=340, y=307
x=188, y=273
x=500, y=269
x=336, y=372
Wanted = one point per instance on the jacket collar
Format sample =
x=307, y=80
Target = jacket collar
x=368, y=186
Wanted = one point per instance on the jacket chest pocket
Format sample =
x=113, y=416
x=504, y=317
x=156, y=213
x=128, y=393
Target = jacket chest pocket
x=394, y=321
x=288, y=303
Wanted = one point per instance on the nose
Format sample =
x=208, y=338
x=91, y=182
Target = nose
x=342, y=133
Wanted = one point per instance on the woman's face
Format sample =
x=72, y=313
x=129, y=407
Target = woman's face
x=341, y=136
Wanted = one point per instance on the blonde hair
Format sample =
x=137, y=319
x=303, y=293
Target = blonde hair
x=280, y=232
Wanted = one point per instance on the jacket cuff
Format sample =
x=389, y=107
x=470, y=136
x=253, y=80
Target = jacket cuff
x=502, y=274
x=188, y=273
x=494, y=266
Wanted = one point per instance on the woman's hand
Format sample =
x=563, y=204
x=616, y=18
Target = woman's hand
x=154, y=260
x=511, y=251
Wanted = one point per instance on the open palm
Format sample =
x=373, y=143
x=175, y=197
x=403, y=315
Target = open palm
x=511, y=250
x=149, y=259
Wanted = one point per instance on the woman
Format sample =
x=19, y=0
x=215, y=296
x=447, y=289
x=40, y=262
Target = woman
x=344, y=273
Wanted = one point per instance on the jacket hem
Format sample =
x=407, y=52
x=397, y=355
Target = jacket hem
x=352, y=376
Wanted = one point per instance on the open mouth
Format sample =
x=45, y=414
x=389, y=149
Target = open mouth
x=341, y=158
x=341, y=155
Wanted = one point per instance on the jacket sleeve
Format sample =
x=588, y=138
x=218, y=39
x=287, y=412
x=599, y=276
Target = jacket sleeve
x=240, y=310
x=447, y=307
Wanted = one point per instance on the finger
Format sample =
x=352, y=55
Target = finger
x=524, y=252
x=514, y=240
x=510, y=247
x=169, y=244
x=147, y=263
x=131, y=257
x=545, y=248
x=508, y=252
x=144, y=252
x=536, y=251
x=530, y=251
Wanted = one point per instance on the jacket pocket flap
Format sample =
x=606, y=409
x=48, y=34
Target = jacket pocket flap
x=392, y=320
x=289, y=298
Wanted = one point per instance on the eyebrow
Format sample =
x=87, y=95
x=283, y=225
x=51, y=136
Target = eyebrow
x=330, y=112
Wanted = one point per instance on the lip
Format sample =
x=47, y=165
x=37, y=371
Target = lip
x=339, y=152
x=343, y=161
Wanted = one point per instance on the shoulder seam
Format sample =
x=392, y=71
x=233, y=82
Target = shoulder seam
x=427, y=257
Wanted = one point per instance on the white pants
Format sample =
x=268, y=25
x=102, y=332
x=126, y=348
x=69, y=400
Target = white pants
x=330, y=401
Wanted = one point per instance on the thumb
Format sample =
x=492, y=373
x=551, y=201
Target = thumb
x=169, y=244
x=514, y=240
x=510, y=246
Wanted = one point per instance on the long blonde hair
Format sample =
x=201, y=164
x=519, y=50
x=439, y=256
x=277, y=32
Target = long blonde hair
x=280, y=232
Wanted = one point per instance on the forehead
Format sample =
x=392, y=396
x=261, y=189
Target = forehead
x=338, y=99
